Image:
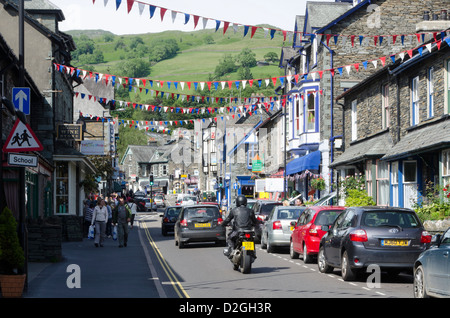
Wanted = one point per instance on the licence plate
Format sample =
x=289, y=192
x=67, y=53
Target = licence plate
x=202, y=225
x=291, y=228
x=249, y=246
x=394, y=242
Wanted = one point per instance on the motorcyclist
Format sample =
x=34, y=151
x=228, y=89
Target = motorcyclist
x=244, y=219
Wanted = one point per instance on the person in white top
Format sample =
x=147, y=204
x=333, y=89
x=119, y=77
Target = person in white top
x=133, y=207
x=100, y=218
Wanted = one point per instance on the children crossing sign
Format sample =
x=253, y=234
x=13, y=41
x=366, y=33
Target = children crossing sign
x=22, y=139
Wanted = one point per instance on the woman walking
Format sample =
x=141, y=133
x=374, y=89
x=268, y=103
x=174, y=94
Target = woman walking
x=100, y=218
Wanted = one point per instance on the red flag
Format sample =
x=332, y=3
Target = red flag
x=196, y=17
x=284, y=34
x=163, y=11
x=383, y=60
x=353, y=40
x=130, y=5
x=274, y=81
x=356, y=65
x=253, y=31
x=394, y=38
x=225, y=26
x=328, y=39
x=189, y=85
x=250, y=82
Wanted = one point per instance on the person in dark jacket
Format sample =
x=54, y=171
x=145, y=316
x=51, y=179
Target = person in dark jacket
x=244, y=219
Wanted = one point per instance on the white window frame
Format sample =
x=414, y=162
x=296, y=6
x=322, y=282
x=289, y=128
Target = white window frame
x=394, y=183
x=307, y=111
x=354, y=120
x=382, y=176
x=430, y=91
x=385, y=106
x=415, y=101
x=445, y=167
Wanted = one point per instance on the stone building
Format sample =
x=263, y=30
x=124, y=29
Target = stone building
x=396, y=126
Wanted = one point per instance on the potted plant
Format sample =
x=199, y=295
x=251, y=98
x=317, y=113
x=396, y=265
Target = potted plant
x=318, y=184
x=12, y=257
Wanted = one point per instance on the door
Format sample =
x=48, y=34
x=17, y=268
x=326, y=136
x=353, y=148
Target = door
x=332, y=241
x=439, y=267
x=296, y=234
x=409, y=183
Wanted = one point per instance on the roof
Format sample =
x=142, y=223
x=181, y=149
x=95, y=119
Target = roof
x=423, y=139
x=375, y=146
x=320, y=14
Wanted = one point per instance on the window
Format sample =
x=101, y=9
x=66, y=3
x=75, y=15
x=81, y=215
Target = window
x=369, y=177
x=409, y=183
x=310, y=112
x=354, y=121
x=446, y=167
x=382, y=183
x=394, y=183
x=430, y=88
x=62, y=187
x=385, y=106
x=415, y=101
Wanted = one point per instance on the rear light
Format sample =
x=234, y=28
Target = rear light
x=260, y=217
x=426, y=237
x=166, y=220
x=247, y=235
x=358, y=236
x=219, y=221
x=276, y=225
x=313, y=232
x=183, y=223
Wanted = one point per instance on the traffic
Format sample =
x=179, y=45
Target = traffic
x=350, y=240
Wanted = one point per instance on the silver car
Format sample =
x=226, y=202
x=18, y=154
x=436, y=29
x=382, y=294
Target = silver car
x=432, y=269
x=277, y=228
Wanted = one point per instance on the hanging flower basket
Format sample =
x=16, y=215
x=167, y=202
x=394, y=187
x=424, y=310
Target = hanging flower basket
x=318, y=184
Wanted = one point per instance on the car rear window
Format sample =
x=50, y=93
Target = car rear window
x=267, y=208
x=201, y=212
x=173, y=212
x=190, y=198
x=403, y=219
x=326, y=217
x=284, y=214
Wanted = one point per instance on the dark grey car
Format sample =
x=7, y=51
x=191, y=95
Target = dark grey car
x=199, y=223
x=392, y=238
x=169, y=218
x=432, y=269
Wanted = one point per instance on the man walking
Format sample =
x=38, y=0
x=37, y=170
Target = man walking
x=121, y=217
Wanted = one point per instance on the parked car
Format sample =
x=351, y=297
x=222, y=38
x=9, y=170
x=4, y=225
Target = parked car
x=391, y=238
x=432, y=269
x=277, y=228
x=159, y=200
x=149, y=205
x=188, y=200
x=262, y=208
x=307, y=232
x=329, y=199
x=169, y=218
x=199, y=223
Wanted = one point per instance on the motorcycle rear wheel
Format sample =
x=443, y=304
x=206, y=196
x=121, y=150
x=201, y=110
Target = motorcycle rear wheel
x=246, y=262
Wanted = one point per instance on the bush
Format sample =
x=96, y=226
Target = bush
x=12, y=258
x=358, y=198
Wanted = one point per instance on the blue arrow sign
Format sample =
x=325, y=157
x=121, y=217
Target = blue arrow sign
x=21, y=99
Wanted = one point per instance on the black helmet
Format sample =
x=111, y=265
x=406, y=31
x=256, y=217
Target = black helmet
x=241, y=200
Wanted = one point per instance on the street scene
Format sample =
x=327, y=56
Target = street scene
x=244, y=155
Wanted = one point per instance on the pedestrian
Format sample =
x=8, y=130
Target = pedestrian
x=100, y=218
x=299, y=202
x=121, y=217
x=109, y=206
x=133, y=207
x=89, y=211
x=224, y=203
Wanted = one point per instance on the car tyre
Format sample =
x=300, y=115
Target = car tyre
x=347, y=273
x=292, y=253
x=306, y=258
x=263, y=242
x=419, y=283
x=321, y=262
x=270, y=248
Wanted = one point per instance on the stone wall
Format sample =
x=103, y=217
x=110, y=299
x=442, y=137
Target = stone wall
x=44, y=240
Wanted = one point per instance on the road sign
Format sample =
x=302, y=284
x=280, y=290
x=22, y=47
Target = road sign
x=22, y=139
x=15, y=159
x=21, y=99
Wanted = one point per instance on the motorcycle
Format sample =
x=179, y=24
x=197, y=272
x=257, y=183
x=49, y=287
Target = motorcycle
x=243, y=254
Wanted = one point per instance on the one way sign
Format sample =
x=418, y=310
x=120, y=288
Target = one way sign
x=22, y=139
x=21, y=99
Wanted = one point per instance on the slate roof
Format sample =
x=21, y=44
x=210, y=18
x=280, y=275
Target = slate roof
x=322, y=13
x=373, y=147
x=430, y=137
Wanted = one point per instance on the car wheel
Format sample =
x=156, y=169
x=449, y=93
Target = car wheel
x=263, y=242
x=306, y=258
x=419, y=283
x=293, y=254
x=270, y=248
x=347, y=272
x=321, y=262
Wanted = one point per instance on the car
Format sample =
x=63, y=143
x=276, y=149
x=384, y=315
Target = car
x=262, y=208
x=277, y=228
x=188, y=200
x=159, y=200
x=329, y=199
x=387, y=237
x=199, y=223
x=250, y=203
x=150, y=206
x=432, y=269
x=169, y=218
x=307, y=232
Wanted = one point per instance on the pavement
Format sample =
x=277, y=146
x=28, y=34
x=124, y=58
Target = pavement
x=87, y=271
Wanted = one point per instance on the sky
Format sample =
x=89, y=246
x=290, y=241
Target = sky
x=86, y=15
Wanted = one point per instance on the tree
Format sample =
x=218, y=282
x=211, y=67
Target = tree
x=247, y=58
x=133, y=68
x=271, y=57
x=226, y=65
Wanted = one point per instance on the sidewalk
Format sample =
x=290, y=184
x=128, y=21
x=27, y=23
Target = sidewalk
x=105, y=272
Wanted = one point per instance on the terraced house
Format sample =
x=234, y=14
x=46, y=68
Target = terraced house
x=397, y=126
x=337, y=45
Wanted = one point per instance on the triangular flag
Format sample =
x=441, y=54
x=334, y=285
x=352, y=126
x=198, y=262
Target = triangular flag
x=130, y=5
x=118, y=2
x=196, y=17
x=225, y=26
x=162, y=12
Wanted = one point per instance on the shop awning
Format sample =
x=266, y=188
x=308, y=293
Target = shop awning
x=309, y=162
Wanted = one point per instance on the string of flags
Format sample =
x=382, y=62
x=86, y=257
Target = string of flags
x=336, y=38
x=141, y=83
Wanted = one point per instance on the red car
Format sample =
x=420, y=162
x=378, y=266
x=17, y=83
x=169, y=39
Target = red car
x=306, y=235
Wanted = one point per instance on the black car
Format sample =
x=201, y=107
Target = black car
x=199, y=223
x=391, y=238
x=262, y=209
x=169, y=218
